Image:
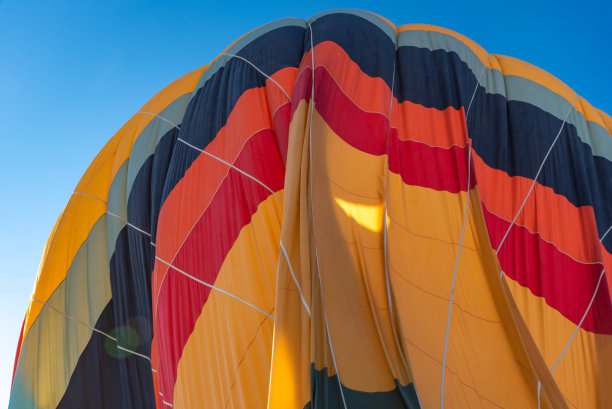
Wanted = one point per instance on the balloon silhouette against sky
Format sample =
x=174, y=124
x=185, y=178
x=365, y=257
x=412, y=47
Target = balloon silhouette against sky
x=335, y=212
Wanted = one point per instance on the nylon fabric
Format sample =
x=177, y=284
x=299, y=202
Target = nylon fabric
x=190, y=240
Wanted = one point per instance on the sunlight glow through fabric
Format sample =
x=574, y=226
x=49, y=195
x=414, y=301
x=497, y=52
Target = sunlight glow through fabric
x=289, y=227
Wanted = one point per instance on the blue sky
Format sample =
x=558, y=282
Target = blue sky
x=71, y=73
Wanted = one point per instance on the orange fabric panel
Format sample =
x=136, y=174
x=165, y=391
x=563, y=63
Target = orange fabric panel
x=551, y=215
x=480, y=52
x=412, y=121
x=512, y=66
x=191, y=195
x=234, y=339
x=349, y=216
x=81, y=213
x=291, y=351
x=487, y=362
x=583, y=372
x=491, y=359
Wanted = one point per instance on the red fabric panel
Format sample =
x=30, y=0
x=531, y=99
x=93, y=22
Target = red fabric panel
x=181, y=299
x=566, y=284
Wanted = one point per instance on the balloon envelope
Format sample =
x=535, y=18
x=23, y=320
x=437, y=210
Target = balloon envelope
x=335, y=213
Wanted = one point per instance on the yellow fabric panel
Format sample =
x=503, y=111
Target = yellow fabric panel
x=516, y=67
x=75, y=222
x=386, y=20
x=77, y=219
x=584, y=373
x=53, y=350
x=348, y=197
x=594, y=114
x=480, y=52
x=234, y=339
x=120, y=145
x=290, y=370
x=54, y=346
x=489, y=359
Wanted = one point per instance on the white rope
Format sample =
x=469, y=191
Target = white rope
x=260, y=71
x=535, y=179
x=85, y=194
x=215, y=156
x=586, y=312
x=385, y=238
x=215, y=288
x=128, y=223
x=231, y=166
x=535, y=232
x=581, y=320
x=465, y=217
x=605, y=234
x=452, y=295
x=92, y=329
x=396, y=336
x=282, y=246
x=271, y=191
x=311, y=113
x=476, y=88
x=116, y=215
x=501, y=272
x=160, y=117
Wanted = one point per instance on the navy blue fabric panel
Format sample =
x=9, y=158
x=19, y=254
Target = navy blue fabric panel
x=362, y=40
x=130, y=284
x=278, y=49
x=325, y=394
x=159, y=172
x=212, y=104
x=435, y=79
x=110, y=376
x=511, y=136
x=98, y=380
x=515, y=136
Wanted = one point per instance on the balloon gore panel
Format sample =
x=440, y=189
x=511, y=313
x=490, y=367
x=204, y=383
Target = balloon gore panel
x=335, y=213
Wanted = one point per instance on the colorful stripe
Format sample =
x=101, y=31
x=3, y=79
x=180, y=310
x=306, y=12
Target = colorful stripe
x=282, y=228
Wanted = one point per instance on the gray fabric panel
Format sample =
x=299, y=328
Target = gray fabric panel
x=514, y=88
x=241, y=43
x=493, y=81
x=372, y=18
x=117, y=204
x=591, y=133
x=54, y=339
x=147, y=141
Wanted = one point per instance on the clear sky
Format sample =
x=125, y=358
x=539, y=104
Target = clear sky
x=72, y=72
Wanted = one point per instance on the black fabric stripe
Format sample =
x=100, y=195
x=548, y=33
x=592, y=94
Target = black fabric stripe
x=516, y=139
x=161, y=164
x=212, y=104
x=326, y=395
x=363, y=41
x=108, y=376
x=435, y=79
x=511, y=136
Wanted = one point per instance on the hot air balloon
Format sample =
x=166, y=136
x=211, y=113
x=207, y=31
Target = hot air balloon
x=335, y=213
